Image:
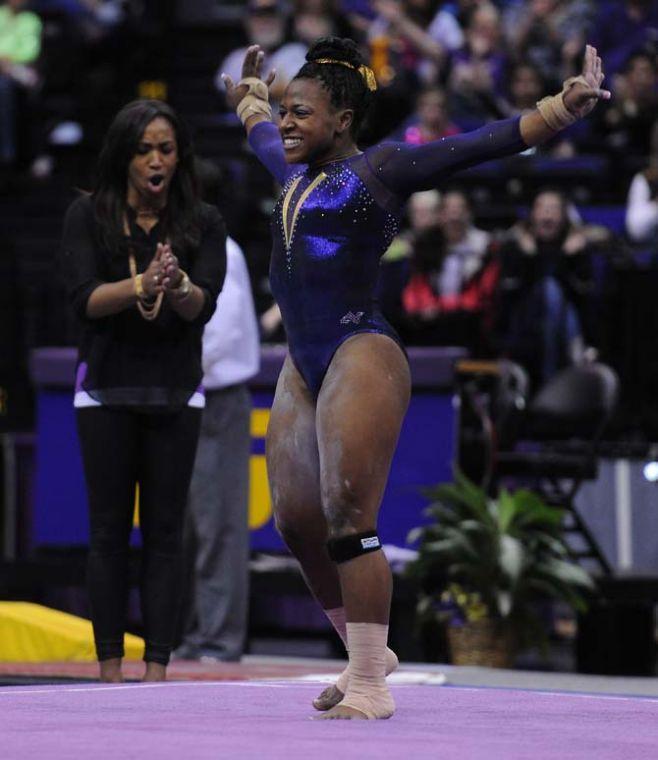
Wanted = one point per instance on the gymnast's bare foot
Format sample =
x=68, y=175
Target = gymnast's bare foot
x=328, y=698
x=333, y=694
x=155, y=672
x=110, y=670
x=343, y=712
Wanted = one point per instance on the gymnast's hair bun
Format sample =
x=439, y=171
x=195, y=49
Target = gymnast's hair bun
x=338, y=48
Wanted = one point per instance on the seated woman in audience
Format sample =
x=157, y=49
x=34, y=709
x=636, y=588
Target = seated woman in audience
x=546, y=287
x=430, y=120
x=526, y=86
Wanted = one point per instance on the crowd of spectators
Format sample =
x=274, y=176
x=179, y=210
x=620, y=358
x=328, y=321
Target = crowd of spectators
x=529, y=289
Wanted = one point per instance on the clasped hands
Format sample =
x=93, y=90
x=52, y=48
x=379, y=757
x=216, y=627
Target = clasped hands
x=163, y=274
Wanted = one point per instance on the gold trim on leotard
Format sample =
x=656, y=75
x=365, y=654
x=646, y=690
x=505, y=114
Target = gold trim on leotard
x=298, y=206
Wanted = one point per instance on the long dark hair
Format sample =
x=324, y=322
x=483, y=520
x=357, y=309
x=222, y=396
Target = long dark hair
x=181, y=216
x=346, y=86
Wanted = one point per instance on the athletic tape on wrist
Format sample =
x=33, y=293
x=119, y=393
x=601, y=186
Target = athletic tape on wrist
x=256, y=101
x=349, y=547
x=251, y=105
x=255, y=87
x=554, y=111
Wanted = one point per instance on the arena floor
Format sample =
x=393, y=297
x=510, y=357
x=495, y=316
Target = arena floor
x=261, y=709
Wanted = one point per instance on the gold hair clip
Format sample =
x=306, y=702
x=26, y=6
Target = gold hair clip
x=369, y=76
x=366, y=72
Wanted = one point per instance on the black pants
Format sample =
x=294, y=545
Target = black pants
x=119, y=449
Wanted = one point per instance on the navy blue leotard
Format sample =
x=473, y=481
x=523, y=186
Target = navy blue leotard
x=332, y=224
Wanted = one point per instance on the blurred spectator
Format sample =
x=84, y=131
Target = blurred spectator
x=525, y=87
x=456, y=318
x=623, y=126
x=422, y=36
x=642, y=202
x=312, y=19
x=549, y=34
x=477, y=70
x=438, y=279
x=622, y=27
x=94, y=20
x=216, y=535
x=546, y=287
x=423, y=212
x=265, y=25
x=466, y=244
x=20, y=45
x=430, y=120
x=398, y=44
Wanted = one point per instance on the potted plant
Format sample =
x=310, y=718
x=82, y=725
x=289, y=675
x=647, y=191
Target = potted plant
x=483, y=564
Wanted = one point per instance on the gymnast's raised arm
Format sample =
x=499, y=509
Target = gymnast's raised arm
x=250, y=98
x=405, y=169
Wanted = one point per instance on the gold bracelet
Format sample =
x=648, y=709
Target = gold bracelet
x=184, y=289
x=148, y=311
x=139, y=287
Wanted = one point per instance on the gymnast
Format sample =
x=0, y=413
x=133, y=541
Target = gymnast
x=345, y=385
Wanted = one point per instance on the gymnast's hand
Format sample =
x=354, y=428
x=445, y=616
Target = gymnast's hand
x=580, y=99
x=251, y=67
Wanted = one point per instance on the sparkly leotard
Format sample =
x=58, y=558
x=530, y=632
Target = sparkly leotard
x=332, y=224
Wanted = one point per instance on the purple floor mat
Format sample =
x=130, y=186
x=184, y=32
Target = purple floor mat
x=195, y=721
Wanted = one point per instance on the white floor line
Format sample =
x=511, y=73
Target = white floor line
x=56, y=689
x=580, y=695
x=295, y=683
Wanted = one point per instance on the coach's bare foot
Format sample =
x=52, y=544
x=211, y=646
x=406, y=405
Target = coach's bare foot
x=343, y=712
x=333, y=694
x=110, y=670
x=155, y=672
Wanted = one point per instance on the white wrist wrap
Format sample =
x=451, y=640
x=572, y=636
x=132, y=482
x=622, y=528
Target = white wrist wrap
x=255, y=101
x=553, y=110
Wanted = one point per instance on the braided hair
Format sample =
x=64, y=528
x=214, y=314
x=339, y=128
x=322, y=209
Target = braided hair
x=345, y=84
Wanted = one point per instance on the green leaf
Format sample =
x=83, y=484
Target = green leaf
x=415, y=534
x=566, y=572
x=504, y=602
x=507, y=509
x=512, y=558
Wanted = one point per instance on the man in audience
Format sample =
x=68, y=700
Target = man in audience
x=216, y=529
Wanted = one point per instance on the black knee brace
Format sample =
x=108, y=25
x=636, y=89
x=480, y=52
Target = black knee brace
x=348, y=547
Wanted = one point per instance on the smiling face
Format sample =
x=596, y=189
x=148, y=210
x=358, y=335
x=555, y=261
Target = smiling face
x=313, y=130
x=152, y=168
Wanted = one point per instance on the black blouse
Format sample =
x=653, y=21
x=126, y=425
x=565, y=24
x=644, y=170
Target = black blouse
x=123, y=359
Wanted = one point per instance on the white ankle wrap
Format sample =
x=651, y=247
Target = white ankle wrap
x=366, y=689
